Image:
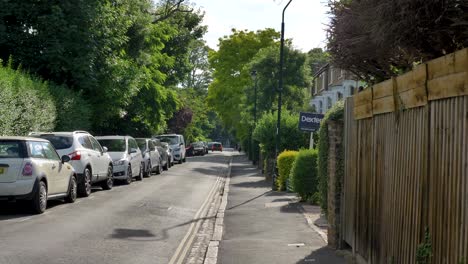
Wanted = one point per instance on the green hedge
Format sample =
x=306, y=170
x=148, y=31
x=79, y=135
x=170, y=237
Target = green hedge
x=336, y=113
x=31, y=104
x=304, y=174
x=26, y=103
x=285, y=163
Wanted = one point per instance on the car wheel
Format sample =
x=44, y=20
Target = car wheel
x=166, y=167
x=39, y=201
x=148, y=170
x=129, y=175
x=180, y=161
x=184, y=160
x=72, y=191
x=140, y=175
x=84, y=189
x=109, y=182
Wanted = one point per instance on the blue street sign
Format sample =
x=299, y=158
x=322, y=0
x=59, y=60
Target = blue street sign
x=309, y=122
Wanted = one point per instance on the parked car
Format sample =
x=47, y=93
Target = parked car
x=151, y=157
x=91, y=162
x=210, y=146
x=126, y=156
x=31, y=169
x=198, y=149
x=189, y=150
x=217, y=147
x=169, y=153
x=165, y=159
x=177, y=143
x=205, y=145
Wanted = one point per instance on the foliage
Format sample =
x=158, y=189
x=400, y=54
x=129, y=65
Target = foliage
x=124, y=57
x=26, y=103
x=285, y=162
x=230, y=76
x=316, y=59
x=73, y=112
x=334, y=114
x=291, y=137
x=424, y=251
x=304, y=174
x=377, y=39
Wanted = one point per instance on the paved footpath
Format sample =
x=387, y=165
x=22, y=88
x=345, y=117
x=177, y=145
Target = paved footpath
x=262, y=226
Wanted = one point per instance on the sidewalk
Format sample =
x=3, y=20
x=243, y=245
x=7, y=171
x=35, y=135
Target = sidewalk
x=262, y=226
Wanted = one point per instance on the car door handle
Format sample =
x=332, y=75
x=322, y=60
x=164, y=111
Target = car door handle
x=89, y=155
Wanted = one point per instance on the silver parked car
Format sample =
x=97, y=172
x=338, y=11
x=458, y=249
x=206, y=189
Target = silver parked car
x=31, y=169
x=91, y=162
x=165, y=159
x=151, y=157
x=126, y=156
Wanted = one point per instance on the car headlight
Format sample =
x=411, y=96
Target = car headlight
x=119, y=163
x=177, y=149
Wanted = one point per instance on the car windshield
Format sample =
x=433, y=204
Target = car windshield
x=59, y=142
x=10, y=149
x=169, y=139
x=197, y=145
x=217, y=144
x=141, y=144
x=113, y=145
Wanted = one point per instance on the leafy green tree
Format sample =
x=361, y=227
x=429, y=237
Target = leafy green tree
x=230, y=75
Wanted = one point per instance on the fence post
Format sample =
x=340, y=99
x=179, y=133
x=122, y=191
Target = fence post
x=335, y=174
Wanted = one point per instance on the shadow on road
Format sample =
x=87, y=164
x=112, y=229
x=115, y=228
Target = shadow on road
x=248, y=201
x=324, y=255
x=123, y=233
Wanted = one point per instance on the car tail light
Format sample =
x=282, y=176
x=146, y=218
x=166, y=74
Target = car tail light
x=75, y=155
x=28, y=169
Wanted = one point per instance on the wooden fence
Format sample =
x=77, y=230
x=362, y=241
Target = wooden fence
x=406, y=165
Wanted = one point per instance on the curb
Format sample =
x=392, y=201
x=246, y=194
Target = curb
x=311, y=224
x=213, y=248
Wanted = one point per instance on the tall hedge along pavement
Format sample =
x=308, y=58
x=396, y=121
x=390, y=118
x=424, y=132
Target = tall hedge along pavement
x=304, y=174
x=31, y=104
x=285, y=163
x=336, y=113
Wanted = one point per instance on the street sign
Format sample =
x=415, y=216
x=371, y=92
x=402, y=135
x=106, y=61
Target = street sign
x=309, y=122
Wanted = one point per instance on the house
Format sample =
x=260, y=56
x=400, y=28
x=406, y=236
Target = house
x=331, y=84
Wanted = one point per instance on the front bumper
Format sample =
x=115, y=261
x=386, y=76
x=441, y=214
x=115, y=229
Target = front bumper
x=120, y=172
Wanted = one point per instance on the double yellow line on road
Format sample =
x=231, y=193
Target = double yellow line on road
x=186, y=243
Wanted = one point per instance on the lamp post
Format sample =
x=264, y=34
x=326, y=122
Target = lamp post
x=253, y=74
x=280, y=84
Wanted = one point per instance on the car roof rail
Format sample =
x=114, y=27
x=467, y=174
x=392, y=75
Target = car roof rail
x=80, y=131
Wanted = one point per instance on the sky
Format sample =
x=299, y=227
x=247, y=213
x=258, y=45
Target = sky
x=305, y=20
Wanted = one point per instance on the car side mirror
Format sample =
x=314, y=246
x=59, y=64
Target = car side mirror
x=104, y=149
x=65, y=158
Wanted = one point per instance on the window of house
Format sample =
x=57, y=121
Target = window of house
x=352, y=89
x=340, y=96
x=320, y=107
x=329, y=103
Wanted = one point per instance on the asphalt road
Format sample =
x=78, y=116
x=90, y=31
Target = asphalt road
x=141, y=223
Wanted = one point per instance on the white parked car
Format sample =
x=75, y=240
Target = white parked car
x=177, y=143
x=127, y=158
x=31, y=169
x=169, y=151
x=151, y=157
x=90, y=160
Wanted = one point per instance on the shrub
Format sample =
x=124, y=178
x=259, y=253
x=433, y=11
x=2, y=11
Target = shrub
x=26, y=103
x=334, y=114
x=304, y=174
x=285, y=163
x=291, y=136
x=73, y=112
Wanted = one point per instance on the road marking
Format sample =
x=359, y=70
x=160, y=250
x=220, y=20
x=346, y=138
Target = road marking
x=183, y=247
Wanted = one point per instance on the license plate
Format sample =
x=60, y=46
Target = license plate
x=2, y=170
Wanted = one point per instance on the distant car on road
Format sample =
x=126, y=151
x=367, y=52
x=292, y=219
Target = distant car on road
x=126, y=156
x=151, y=157
x=164, y=155
x=31, y=169
x=217, y=146
x=169, y=153
x=210, y=145
x=91, y=162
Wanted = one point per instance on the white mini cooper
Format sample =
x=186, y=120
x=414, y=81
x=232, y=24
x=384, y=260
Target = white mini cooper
x=31, y=169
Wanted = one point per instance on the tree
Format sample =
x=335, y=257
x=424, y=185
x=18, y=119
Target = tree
x=316, y=59
x=230, y=76
x=378, y=39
